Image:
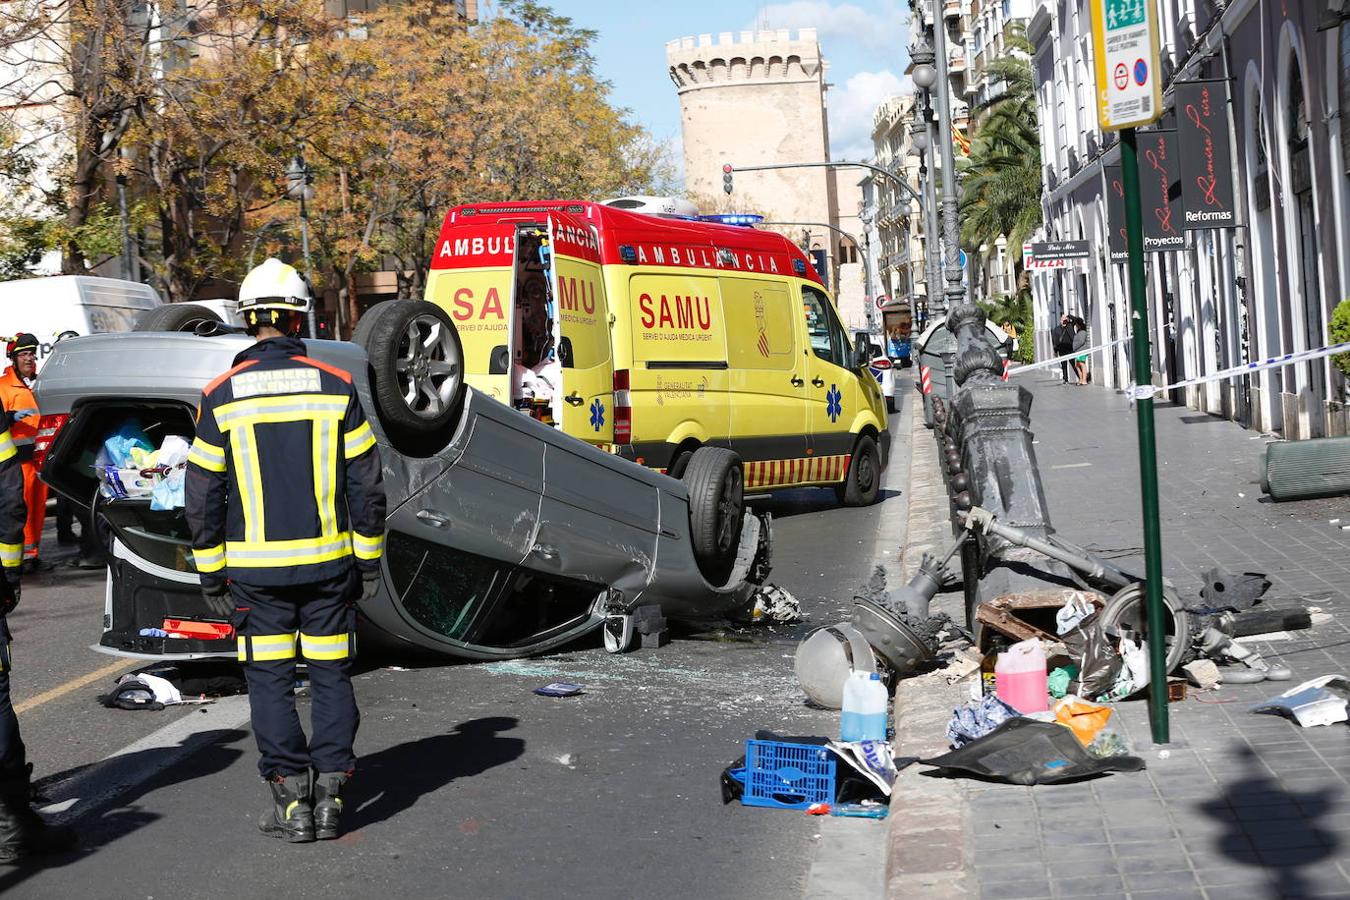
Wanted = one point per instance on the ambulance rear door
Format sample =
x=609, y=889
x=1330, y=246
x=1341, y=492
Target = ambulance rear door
x=586, y=407
x=471, y=278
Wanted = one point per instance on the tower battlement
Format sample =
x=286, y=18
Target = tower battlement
x=747, y=56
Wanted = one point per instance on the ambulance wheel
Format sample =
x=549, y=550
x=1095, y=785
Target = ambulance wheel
x=175, y=317
x=417, y=364
x=863, y=483
x=715, y=478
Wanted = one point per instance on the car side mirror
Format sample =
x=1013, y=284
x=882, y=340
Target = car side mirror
x=862, y=355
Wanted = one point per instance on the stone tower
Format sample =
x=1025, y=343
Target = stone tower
x=755, y=99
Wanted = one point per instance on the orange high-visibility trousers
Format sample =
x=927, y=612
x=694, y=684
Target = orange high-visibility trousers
x=35, y=498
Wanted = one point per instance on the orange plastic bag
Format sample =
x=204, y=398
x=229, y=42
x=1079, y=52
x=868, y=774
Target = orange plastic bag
x=1084, y=719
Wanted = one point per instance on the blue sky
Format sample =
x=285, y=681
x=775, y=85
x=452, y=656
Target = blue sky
x=864, y=42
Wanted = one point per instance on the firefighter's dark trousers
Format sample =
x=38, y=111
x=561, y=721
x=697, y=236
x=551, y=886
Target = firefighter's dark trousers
x=316, y=622
x=11, y=745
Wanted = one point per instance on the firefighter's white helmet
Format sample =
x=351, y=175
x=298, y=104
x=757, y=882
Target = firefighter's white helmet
x=274, y=285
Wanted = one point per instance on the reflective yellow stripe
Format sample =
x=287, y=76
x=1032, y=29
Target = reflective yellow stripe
x=324, y=442
x=7, y=448
x=280, y=408
x=208, y=456
x=327, y=646
x=266, y=647
x=271, y=554
x=11, y=555
x=209, y=559
x=358, y=441
x=248, y=475
x=5, y=662
x=367, y=547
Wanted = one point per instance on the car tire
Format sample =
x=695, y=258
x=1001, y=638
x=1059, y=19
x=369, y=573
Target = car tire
x=715, y=478
x=414, y=351
x=863, y=483
x=175, y=317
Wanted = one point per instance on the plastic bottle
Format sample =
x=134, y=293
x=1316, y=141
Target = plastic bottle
x=1020, y=677
x=864, y=714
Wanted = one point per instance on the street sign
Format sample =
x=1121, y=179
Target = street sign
x=963, y=259
x=1125, y=39
x=882, y=301
x=1061, y=250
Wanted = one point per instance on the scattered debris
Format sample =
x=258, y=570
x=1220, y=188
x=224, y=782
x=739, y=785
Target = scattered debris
x=559, y=689
x=1215, y=644
x=1224, y=590
x=874, y=760
x=867, y=809
x=1083, y=718
x=1076, y=608
x=1321, y=701
x=142, y=691
x=1203, y=673
x=772, y=605
x=1024, y=751
x=1058, y=680
x=976, y=718
x=818, y=809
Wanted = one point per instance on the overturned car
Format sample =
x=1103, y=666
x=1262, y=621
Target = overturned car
x=505, y=536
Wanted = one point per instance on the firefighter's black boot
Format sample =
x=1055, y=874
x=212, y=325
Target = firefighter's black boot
x=291, y=815
x=328, y=803
x=22, y=831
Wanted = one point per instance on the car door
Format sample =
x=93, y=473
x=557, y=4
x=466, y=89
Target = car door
x=831, y=386
x=587, y=404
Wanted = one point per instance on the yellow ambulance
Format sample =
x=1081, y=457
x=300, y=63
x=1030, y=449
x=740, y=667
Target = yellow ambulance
x=653, y=336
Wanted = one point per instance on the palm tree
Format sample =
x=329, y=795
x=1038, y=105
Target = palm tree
x=1001, y=182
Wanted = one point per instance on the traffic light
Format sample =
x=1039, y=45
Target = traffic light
x=726, y=178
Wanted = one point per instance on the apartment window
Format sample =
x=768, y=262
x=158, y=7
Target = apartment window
x=1007, y=10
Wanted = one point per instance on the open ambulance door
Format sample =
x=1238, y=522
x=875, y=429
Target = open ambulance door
x=586, y=407
x=472, y=278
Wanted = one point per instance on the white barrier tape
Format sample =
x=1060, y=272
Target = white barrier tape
x=1044, y=363
x=1140, y=391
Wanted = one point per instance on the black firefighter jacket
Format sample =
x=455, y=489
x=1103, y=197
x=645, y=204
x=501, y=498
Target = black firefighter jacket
x=283, y=480
x=13, y=513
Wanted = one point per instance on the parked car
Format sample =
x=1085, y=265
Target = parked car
x=506, y=537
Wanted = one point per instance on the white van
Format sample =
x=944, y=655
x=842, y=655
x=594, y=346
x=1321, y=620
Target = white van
x=84, y=304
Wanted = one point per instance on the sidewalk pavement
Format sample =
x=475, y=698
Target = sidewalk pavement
x=1254, y=806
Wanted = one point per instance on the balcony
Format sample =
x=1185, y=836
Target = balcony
x=957, y=60
x=951, y=9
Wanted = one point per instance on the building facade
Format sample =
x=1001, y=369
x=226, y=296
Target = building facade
x=1265, y=285
x=760, y=98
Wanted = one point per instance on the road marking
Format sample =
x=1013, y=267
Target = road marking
x=62, y=689
x=141, y=760
x=1072, y=466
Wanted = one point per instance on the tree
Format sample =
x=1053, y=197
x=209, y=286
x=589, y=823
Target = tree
x=1002, y=180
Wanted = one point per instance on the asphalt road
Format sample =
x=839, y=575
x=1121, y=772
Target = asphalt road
x=468, y=784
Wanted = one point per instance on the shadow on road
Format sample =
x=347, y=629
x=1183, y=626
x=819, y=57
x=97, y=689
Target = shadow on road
x=115, y=814
x=393, y=780
x=1282, y=845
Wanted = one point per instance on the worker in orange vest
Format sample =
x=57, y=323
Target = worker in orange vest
x=16, y=393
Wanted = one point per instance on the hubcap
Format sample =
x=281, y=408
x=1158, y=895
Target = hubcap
x=729, y=510
x=428, y=366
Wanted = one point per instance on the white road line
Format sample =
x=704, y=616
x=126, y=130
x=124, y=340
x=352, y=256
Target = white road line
x=138, y=761
x=1072, y=466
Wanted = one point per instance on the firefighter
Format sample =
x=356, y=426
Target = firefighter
x=286, y=506
x=22, y=831
x=16, y=393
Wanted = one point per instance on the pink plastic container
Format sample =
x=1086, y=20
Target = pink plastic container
x=1019, y=677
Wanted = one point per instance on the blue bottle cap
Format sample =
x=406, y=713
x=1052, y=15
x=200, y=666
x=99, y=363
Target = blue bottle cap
x=875, y=677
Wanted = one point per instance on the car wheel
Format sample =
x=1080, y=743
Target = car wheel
x=715, y=478
x=175, y=317
x=863, y=483
x=417, y=363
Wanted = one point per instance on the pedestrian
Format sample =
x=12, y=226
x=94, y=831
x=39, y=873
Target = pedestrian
x=22, y=831
x=1080, y=342
x=1011, y=331
x=285, y=502
x=16, y=393
x=1061, y=341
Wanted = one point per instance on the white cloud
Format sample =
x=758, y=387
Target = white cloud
x=882, y=32
x=852, y=107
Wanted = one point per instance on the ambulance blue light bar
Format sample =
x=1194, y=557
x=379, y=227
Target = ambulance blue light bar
x=745, y=219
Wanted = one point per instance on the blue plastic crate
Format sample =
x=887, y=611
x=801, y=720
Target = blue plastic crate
x=787, y=776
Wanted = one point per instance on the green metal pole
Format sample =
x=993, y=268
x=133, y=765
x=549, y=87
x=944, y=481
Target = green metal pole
x=1148, y=454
